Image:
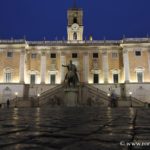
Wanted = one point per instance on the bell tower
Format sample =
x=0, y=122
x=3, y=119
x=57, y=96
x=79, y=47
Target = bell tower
x=75, y=24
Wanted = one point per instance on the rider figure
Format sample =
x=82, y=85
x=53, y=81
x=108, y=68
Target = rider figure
x=71, y=67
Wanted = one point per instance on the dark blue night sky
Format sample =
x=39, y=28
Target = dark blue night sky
x=48, y=18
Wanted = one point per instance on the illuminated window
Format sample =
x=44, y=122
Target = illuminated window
x=96, y=78
x=8, y=77
x=53, y=78
x=9, y=54
x=32, y=78
x=115, y=78
x=139, y=77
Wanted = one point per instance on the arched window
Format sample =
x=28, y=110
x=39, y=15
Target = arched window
x=74, y=36
x=75, y=20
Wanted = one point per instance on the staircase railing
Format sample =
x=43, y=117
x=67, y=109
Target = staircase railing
x=97, y=92
x=133, y=99
x=105, y=96
x=45, y=96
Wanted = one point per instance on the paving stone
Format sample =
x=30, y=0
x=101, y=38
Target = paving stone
x=58, y=128
x=26, y=147
x=111, y=137
x=93, y=145
x=57, y=143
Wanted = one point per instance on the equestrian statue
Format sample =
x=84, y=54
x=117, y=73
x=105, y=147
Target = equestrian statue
x=71, y=77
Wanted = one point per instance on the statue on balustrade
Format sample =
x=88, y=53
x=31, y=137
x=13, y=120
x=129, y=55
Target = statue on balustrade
x=71, y=77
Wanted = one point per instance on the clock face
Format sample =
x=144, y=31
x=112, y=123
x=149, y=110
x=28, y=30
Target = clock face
x=75, y=27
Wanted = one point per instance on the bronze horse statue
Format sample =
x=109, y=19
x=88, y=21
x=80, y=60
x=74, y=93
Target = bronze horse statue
x=71, y=77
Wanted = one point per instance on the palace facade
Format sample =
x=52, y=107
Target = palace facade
x=122, y=65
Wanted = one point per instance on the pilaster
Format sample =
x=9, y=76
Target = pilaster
x=126, y=66
x=85, y=67
x=105, y=66
x=43, y=67
x=22, y=67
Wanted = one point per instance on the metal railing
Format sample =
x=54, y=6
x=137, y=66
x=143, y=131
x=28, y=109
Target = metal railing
x=45, y=96
x=137, y=100
x=97, y=92
x=104, y=95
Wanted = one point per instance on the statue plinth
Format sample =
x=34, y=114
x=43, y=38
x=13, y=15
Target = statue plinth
x=71, y=97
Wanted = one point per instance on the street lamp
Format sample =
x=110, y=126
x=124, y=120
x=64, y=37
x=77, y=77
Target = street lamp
x=109, y=103
x=38, y=95
x=16, y=94
x=108, y=94
x=130, y=93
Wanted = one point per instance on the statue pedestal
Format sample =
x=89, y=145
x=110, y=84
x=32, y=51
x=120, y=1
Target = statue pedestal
x=71, y=97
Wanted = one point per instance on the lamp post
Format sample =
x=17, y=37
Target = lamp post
x=38, y=95
x=108, y=94
x=130, y=93
x=16, y=94
x=109, y=105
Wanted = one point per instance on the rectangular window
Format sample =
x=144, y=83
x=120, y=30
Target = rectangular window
x=74, y=55
x=53, y=55
x=9, y=54
x=53, y=78
x=95, y=55
x=96, y=78
x=32, y=78
x=8, y=77
x=114, y=55
x=138, y=53
x=33, y=55
x=139, y=77
x=115, y=78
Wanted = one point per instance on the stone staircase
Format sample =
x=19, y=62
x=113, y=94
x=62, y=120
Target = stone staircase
x=121, y=101
x=133, y=102
x=93, y=96
x=26, y=90
x=52, y=96
x=88, y=95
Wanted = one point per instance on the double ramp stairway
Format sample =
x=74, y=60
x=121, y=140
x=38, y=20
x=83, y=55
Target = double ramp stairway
x=88, y=95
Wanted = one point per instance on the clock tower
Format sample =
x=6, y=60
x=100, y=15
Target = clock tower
x=75, y=24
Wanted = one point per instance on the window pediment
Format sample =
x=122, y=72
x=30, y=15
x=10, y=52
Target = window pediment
x=115, y=71
x=139, y=69
x=8, y=70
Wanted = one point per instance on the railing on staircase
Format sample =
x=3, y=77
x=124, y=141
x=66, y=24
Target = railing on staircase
x=86, y=91
x=104, y=96
x=135, y=101
x=99, y=95
x=46, y=96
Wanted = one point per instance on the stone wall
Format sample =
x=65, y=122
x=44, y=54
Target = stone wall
x=139, y=91
x=8, y=91
x=34, y=90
